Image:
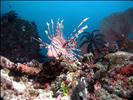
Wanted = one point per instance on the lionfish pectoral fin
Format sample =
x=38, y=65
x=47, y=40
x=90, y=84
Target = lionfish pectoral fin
x=42, y=44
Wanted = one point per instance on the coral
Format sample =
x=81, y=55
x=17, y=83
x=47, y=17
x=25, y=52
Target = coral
x=117, y=28
x=130, y=80
x=16, y=43
x=64, y=88
x=68, y=79
x=126, y=70
x=88, y=58
x=119, y=58
x=21, y=68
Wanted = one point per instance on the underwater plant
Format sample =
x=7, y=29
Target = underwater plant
x=64, y=88
x=95, y=41
x=59, y=45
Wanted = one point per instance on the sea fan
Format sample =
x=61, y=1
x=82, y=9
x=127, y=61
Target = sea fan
x=59, y=45
x=95, y=41
x=117, y=28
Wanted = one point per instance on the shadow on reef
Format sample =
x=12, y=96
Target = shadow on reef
x=50, y=70
x=16, y=43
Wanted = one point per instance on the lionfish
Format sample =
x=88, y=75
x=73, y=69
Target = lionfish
x=59, y=45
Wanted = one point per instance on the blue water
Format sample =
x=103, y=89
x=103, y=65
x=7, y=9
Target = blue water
x=71, y=11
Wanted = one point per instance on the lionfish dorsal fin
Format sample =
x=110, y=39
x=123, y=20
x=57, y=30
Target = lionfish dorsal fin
x=79, y=30
x=48, y=32
x=52, y=25
x=59, y=27
x=83, y=21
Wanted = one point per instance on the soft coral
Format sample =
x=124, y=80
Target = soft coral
x=126, y=70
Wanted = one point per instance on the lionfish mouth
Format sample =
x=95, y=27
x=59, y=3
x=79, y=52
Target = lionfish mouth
x=59, y=45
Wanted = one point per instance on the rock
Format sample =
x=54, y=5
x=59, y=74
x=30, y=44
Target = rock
x=119, y=57
x=60, y=79
x=65, y=98
x=101, y=67
x=131, y=58
x=70, y=66
x=4, y=62
x=19, y=87
x=33, y=63
x=88, y=58
x=130, y=80
x=102, y=94
x=80, y=91
x=45, y=95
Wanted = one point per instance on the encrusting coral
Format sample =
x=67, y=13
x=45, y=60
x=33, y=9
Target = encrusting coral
x=56, y=79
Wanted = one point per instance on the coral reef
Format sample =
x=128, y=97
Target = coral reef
x=99, y=74
x=67, y=79
x=16, y=42
x=117, y=29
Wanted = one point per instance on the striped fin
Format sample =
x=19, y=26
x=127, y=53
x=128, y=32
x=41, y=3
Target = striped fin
x=48, y=26
x=52, y=25
x=82, y=29
x=77, y=31
x=83, y=21
x=46, y=32
x=42, y=44
x=59, y=27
